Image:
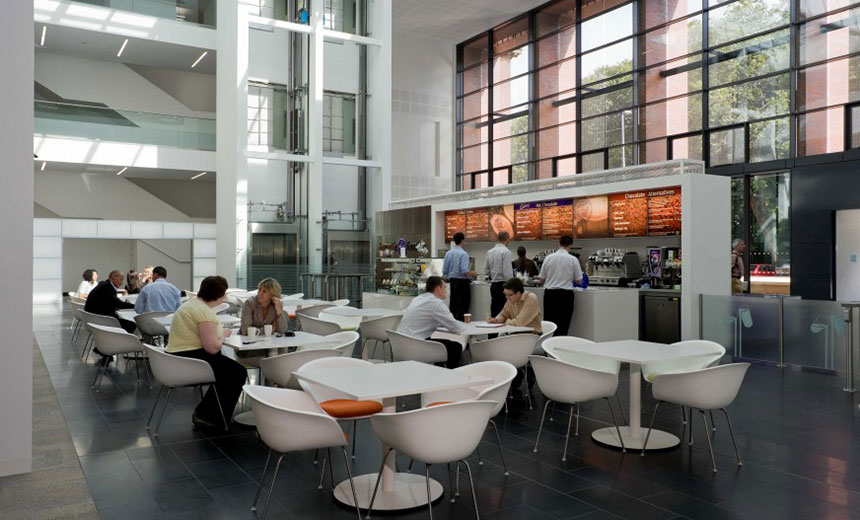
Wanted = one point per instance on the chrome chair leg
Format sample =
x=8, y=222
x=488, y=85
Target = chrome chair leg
x=478, y=453
x=734, y=442
x=620, y=408
x=683, y=415
x=567, y=433
x=354, y=435
x=472, y=487
x=617, y=429
x=330, y=469
x=651, y=427
x=272, y=488
x=501, y=451
x=526, y=381
x=451, y=482
x=322, y=472
x=378, y=480
x=262, y=479
x=708, y=436
x=690, y=428
x=351, y=483
x=163, y=409
x=577, y=420
x=540, y=428
x=429, y=498
x=220, y=409
x=154, y=405
x=713, y=424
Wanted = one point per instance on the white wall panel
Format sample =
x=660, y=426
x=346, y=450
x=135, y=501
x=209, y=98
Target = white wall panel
x=46, y=291
x=204, y=267
x=47, y=227
x=80, y=228
x=178, y=230
x=141, y=230
x=114, y=229
x=47, y=247
x=47, y=268
x=204, y=248
x=204, y=230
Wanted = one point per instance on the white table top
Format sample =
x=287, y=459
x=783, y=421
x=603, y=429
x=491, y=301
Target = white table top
x=272, y=342
x=474, y=329
x=364, y=313
x=301, y=302
x=639, y=352
x=224, y=319
x=127, y=314
x=388, y=380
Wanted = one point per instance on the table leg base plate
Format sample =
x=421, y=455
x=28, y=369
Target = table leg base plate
x=659, y=439
x=410, y=491
x=245, y=418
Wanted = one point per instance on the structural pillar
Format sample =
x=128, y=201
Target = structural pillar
x=315, y=140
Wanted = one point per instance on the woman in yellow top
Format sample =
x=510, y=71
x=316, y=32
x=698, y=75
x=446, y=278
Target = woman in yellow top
x=265, y=308
x=196, y=333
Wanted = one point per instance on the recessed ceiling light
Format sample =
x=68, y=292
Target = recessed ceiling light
x=43, y=166
x=44, y=30
x=122, y=48
x=198, y=59
x=201, y=174
x=120, y=172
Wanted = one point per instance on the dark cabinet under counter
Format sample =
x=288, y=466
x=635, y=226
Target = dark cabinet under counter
x=660, y=316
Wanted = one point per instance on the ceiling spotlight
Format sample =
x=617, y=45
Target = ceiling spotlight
x=43, y=166
x=120, y=172
x=44, y=30
x=201, y=174
x=198, y=59
x=122, y=48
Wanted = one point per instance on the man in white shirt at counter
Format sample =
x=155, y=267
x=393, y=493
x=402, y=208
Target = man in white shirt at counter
x=499, y=269
x=427, y=313
x=559, y=271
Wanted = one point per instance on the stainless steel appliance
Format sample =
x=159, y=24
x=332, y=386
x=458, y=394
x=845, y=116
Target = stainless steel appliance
x=613, y=267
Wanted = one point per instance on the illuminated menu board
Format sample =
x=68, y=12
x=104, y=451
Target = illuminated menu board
x=501, y=218
x=454, y=221
x=628, y=214
x=591, y=217
x=527, y=221
x=557, y=217
x=478, y=224
x=664, y=212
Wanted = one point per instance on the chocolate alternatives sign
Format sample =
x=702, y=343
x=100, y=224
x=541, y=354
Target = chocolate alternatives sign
x=664, y=212
x=628, y=214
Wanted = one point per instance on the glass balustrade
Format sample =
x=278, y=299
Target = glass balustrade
x=200, y=12
x=101, y=123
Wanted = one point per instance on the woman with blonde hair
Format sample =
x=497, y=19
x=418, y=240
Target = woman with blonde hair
x=265, y=308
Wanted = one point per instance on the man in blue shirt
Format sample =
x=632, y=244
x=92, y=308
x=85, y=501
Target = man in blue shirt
x=456, y=269
x=160, y=295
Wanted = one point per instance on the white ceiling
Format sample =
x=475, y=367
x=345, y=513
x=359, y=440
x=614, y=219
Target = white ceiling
x=131, y=172
x=102, y=46
x=455, y=20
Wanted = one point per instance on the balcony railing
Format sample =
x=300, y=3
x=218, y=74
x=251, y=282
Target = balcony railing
x=100, y=123
x=200, y=12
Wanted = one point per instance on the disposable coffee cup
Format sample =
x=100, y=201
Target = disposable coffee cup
x=252, y=332
x=467, y=318
x=267, y=330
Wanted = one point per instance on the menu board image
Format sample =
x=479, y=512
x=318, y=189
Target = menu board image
x=557, y=216
x=591, y=217
x=527, y=221
x=454, y=221
x=628, y=214
x=478, y=225
x=664, y=212
x=501, y=219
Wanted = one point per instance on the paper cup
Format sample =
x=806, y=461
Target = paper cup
x=252, y=332
x=267, y=330
x=467, y=318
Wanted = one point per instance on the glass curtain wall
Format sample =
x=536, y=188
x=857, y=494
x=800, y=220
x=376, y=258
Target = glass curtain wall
x=584, y=85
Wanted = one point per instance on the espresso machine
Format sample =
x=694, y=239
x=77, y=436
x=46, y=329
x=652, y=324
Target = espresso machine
x=613, y=267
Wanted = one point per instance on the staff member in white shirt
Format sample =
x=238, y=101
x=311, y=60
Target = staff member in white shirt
x=559, y=271
x=427, y=313
x=499, y=269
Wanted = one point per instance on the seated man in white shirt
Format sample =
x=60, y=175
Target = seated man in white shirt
x=427, y=313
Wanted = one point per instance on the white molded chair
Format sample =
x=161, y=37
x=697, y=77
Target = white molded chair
x=340, y=303
x=221, y=307
x=707, y=389
x=314, y=310
x=115, y=341
x=548, y=329
x=88, y=319
x=434, y=435
x=407, y=348
x=175, y=372
x=376, y=330
x=344, y=322
x=77, y=308
x=289, y=420
x=74, y=298
x=151, y=329
x=501, y=374
x=297, y=296
x=343, y=342
x=279, y=369
x=565, y=383
x=514, y=349
x=316, y=325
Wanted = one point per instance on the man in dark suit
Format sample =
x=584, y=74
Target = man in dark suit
x=103, y=300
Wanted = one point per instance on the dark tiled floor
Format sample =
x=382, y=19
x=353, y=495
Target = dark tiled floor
x=799, y=436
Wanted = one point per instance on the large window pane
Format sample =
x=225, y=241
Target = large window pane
x=829, y=37
x=769, y=250
x=511, y=64
x=567, y=166
x=747, y=101
x=652, y=151
x=556, y=141
x=671, y=79
x=727, y=146
x=855, y=127
x=618, y=94
x=556, y=47
x=475, y=78
x=750, y=58
x=595, y=7
x=769, y=140
x=657, y=12
x=833, y=83
x=520, y=172
x=511, y=93
x=557, y=78
x=474, y=132
x=621, y=156
x=511, y=150
x=475, y=51
x=609, y=130
x=500, y=177
x=555, y=16
x=687, y=147
x=475, y=105
x=810, y=8
x=744, y=18
x=515, y=121
x=671, y=117
x=474, y=158
x=671, y=41
x=594, y=162
x=510, y=35
x=822, y=131
x=608, y=27
x=556, y=110
x=607, y=62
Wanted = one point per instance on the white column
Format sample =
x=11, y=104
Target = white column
x=231, y=194
x=16, y=210
x=379, y=65
x=315, y=142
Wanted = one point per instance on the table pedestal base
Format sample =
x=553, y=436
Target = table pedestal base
x=410, y=491
x=659, y=439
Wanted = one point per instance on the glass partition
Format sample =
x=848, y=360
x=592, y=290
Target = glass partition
x=815, y=334
x=748, y=327
x=101, y=123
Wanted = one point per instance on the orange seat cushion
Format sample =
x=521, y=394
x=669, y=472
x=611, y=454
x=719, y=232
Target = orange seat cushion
x=343, y=408
x=437, y=403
